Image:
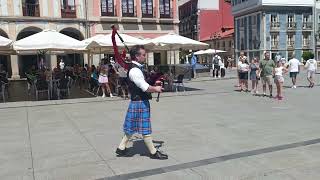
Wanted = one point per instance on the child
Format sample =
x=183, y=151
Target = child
x=278, y=79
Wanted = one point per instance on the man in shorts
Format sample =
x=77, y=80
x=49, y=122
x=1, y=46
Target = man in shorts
x=266, y=73
x=294, y=68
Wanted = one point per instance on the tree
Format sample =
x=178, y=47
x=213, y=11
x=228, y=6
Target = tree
x=307, y=55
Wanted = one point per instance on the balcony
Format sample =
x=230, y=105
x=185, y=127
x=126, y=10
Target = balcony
x=290, y=44
x=275, y=26
x=166, y=14
x=307, y=25
x=292, y=25
x=31, y=10
x=68, y=11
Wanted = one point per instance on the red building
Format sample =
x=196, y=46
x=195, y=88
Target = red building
x=202, y=23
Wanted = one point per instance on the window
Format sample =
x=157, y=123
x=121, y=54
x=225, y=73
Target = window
x=68, y=9
x=290, y=40
x=274, y=18
x=128, y=8
x=165, y=11
x=306, y=40
x=290, y=18
x=107, y=8
x=30, y=8
x=274, y=40
x=147, y=8
x=68, y=4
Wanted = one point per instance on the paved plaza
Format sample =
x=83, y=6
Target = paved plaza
x=211, y=132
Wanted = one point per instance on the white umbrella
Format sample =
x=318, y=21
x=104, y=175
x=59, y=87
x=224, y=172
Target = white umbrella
x=173, y=41
x=5, y=42
x=48, y=40
x=104, y=42
x=213, y=51
x=199, y=52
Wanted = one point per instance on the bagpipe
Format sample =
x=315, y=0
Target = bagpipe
x=120, y=59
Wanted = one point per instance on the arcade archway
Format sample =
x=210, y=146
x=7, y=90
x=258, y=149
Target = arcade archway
x=26, y=62
x=5, y=59
x=72, y=59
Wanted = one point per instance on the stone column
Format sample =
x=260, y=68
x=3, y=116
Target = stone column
x=14, y=67
x=53, y=61
x=150, y=59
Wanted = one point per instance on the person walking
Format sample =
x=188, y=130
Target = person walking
x=138, y=115
x=243, y=69
x=278, y=79
x=311, y=66
x=104, y=82
x=215, y=66
x=294, y=68
x=266, y=72
x=254, y=67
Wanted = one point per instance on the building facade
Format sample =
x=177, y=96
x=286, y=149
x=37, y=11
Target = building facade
x=282, y=26
x=200, y=19
x=82, y=19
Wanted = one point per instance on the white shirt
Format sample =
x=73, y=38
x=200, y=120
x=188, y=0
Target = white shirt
x=311, y=65
x=243, y=67
x=278, y=71
x=294, y=65
x=137, y=77
x=61, y=65
x=221, y=64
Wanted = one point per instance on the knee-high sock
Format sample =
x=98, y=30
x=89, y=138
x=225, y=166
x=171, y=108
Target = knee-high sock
x=124, y=142
x=148, y=141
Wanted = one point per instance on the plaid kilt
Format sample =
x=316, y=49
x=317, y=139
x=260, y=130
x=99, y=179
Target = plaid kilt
x=138, y=118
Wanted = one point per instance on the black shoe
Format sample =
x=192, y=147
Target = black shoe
x=159, y=155
x=271, y=96
x=120, y=152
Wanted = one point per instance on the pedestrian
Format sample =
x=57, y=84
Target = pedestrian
x=61, y=64
x=104, y=82
x=294, y=68
x=266, y=72
x=138, y=115
x=242, y=56
x=215, y=66
x=243, y=69
x=254, y=68
x=222, y=68
x=278, y=79
x=311, y=66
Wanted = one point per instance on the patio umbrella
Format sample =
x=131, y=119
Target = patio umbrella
x=171, y=42
x=100, y=42
x=199, y=52
x=48, y=40
x=5, y=45
x=213, y=51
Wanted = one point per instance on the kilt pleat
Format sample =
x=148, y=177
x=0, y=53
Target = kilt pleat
x=138, y=118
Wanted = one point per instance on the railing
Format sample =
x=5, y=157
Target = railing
x=291, y=25
x=307, y=25
x=275, y=25
x=291, y=44
x=31, y=10
x=68, y=11
x=167, y=15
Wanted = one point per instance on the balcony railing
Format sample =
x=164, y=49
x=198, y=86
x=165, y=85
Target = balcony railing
x=290, y=44
x=68, y=11
x=165, y=14
x=275, y=25
x=307, y=25
x=291, y=25
x=31, y=10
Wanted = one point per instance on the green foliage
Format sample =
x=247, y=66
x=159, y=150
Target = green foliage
x=307, y=55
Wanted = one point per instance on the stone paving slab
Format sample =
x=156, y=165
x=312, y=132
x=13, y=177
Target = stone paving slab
x=210, y=133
